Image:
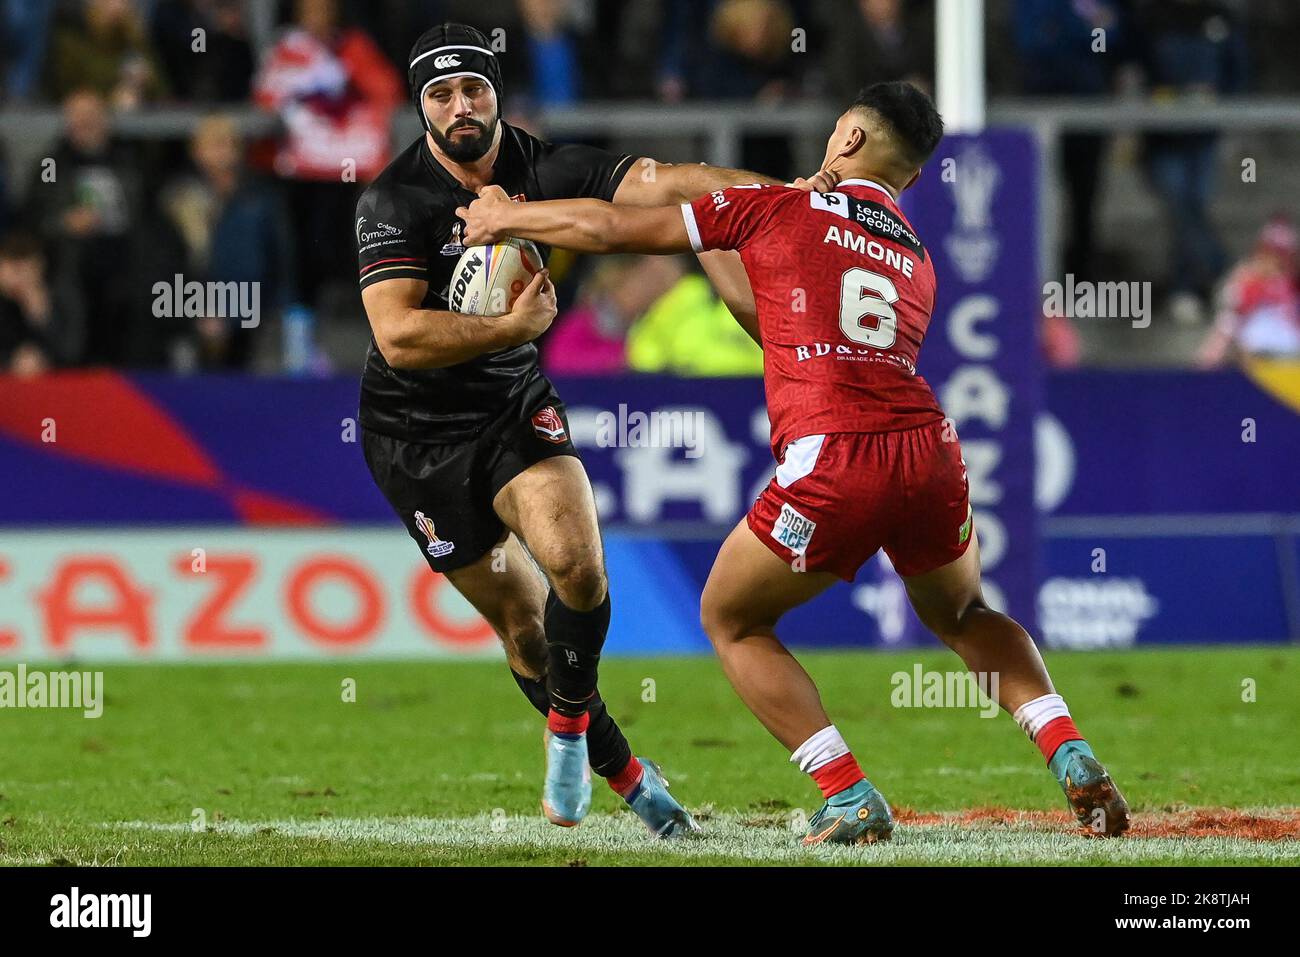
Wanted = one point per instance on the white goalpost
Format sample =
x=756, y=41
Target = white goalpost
x=959, y=64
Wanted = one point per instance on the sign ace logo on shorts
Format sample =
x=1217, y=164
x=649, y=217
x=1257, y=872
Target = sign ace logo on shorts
x=793, y=530
x=549, y=426
x=437, y=547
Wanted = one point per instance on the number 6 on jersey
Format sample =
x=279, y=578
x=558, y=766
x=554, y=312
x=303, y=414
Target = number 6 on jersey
x=864, y=293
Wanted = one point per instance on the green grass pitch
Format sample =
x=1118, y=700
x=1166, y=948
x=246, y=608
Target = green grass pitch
x=440, y=763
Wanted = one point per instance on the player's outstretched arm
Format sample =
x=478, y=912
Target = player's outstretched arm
x=413, y=338
x=583, y=225
x=650, y=183
x=727, y=272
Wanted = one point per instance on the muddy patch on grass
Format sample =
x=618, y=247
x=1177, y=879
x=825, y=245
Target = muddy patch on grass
x=1282, y=824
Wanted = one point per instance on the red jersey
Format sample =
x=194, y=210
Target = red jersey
x=1252, y=296
x=844, y=291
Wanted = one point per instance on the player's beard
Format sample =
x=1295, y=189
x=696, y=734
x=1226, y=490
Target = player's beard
x=466, y=149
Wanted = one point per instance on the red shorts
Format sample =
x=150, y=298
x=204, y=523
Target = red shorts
x=838, y=498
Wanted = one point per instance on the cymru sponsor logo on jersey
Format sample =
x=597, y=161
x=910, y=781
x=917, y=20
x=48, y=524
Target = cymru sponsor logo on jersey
x=549, y=426
x=381, y=231
x=793, y=530
x=437, y=547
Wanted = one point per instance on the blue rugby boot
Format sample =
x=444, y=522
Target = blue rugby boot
x=657, y=809
x=1089, y=790
x=566, y=794
x=857, y=815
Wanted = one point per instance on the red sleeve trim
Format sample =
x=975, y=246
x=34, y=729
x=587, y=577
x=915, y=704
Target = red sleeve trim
x=407, y=259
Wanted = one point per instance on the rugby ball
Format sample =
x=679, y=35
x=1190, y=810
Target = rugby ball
x=488, y=279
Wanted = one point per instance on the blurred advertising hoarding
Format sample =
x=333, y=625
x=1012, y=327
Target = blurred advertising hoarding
x=196, y=593
x=207, y=593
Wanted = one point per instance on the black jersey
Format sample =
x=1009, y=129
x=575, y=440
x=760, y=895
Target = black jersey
x=407, y=228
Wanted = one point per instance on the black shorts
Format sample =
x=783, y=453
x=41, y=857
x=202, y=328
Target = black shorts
x=443, y=492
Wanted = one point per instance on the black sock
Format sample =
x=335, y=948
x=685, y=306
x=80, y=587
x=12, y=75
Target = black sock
x=607, y=749
x=534, y=690
x=573, y=643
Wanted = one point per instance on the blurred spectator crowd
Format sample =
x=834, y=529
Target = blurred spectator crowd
x=86, y=233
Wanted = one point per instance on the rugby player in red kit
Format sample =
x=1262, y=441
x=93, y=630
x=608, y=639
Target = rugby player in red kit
x=842, y=293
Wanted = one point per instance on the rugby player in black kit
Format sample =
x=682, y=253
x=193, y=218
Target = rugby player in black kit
x=464, y=435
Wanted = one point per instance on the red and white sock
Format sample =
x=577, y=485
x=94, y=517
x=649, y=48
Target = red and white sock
x=828, y=760
x=558, y=723
x=1047, y=721
x=626, y=781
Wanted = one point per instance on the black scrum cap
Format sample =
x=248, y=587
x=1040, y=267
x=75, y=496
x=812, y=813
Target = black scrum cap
x=446, y=51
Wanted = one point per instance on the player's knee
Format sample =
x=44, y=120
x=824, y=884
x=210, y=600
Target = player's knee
x=965, y=611
x=949, y=621
x=579, y=582
x=945, y=624
x=720, y=620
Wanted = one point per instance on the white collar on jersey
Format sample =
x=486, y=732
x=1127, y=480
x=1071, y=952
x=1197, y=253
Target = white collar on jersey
x=865, y=182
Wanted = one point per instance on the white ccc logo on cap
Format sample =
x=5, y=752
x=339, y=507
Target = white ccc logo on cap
x=442, y=62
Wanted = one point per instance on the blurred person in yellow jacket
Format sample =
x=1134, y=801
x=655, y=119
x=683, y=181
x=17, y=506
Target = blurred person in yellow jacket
x=688, y=331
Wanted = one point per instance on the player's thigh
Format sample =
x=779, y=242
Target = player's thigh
x=942, y=596
x=932, y=546
x=434, y=491
x=551, y=507
x=505, y=588
x=830, y=505
x=437, y=492
x=749, y=587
